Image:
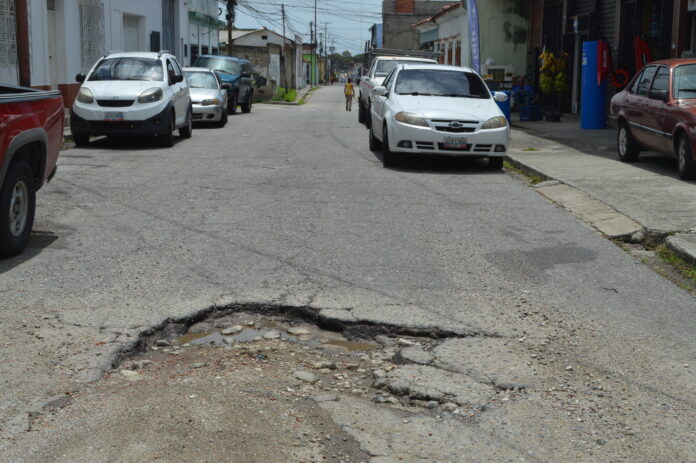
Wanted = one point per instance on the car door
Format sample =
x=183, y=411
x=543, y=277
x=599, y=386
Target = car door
x=378, y=106
x=179, y=97
x=656, y=112
x=637, y=105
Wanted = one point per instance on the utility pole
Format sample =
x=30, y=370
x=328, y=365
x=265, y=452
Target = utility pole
x=286, y=64
x=326, y=50
x=316, y=64
x=231, y=6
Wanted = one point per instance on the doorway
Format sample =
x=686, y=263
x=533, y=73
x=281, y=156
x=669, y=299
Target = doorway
x=131, y=33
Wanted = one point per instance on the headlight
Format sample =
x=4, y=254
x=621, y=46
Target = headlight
x=210, y=102
x=85, y=96
x=495, y=123
x=410, y=119
x=150, y=95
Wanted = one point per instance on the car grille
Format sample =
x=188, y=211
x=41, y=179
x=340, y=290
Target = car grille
x=115, y=103
x=445, y=125
x=197, y=117
x=114, y=125
x=468, y=148
x=425, y=145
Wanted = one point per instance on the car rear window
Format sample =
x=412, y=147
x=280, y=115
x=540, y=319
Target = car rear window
x=684, y=86
x=436, y=82
x=219, y=64
x=128, y=69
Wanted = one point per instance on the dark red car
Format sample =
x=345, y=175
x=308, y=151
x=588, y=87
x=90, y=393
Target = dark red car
x=657, y=111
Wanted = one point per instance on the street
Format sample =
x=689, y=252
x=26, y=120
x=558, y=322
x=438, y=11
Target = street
x=573, y=349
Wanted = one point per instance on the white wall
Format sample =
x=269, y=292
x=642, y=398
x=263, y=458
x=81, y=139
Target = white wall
x=254, y=39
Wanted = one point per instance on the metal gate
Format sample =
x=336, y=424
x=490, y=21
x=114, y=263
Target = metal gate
x=8, y=37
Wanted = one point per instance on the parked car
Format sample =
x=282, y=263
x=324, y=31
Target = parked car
x=379, y=63
x=657, y=111
x=437, y=109
x=31, y=123
x=208, y=95
x=236, y=72
x=132, y=93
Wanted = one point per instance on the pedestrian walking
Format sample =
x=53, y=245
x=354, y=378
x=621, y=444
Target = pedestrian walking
x=349, y=93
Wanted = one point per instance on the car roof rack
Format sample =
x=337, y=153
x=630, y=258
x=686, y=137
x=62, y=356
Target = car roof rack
x=162, y=52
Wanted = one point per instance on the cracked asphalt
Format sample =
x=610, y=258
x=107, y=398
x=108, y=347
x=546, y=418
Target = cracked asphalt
x=593, y=352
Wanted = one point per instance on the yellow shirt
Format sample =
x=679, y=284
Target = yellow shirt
x=348, y=90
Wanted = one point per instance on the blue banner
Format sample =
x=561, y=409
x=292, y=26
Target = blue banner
x=474, y=35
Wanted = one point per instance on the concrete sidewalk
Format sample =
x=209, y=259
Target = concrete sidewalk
x=631, y=201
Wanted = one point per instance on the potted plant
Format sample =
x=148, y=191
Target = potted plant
x=553, y=80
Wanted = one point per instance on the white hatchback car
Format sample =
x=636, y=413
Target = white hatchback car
x=438, y=109
x=133, y=93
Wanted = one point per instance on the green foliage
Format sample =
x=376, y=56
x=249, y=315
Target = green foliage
x=283, y=94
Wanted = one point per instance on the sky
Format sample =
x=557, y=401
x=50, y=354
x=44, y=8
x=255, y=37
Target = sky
x=348, y=20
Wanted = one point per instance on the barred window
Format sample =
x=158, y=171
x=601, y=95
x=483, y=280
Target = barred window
x=91, y=32
x=8, y=37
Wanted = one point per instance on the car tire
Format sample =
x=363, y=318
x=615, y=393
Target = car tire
x=81, y=139
x=232, y=106
x=223, y=119
x=389, y=158
x=246, y=107
x=361, y=112
x=375, y=144
x=495, y=163
x=368, y=116
x=168, y=137
x=187, y=130
x=626, y=145
x=685, y=159
x=17, y=207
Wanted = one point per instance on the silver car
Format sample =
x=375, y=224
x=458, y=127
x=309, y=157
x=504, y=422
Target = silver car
x=208, y=95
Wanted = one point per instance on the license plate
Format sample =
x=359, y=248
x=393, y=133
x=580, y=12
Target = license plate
x=455, y=142
x=113, y=116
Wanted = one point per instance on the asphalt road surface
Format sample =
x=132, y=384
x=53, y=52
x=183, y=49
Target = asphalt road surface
x=287, y=207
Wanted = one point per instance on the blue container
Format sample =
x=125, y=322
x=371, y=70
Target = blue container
x=505, y=105
x=593, y=100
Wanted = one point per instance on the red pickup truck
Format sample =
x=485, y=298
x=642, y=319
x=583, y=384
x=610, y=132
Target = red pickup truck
x=31, y=133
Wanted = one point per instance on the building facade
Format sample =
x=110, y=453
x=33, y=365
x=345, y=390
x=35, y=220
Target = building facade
x=204, y=28
x=66, y=37
x=398, y=17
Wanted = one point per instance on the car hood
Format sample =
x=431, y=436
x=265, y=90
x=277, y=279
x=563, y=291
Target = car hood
x=442, y=107
x=200, y=94
x=120, y=89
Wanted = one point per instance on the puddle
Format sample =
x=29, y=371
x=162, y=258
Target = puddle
x=254, y=330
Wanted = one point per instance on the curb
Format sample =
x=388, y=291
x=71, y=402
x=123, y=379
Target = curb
x=684, y=245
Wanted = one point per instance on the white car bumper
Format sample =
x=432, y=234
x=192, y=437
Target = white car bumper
x=134, y=112
x=207, y=113
x=479, y=143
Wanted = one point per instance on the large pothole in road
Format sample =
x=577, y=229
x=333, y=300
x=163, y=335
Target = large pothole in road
x=242, y=386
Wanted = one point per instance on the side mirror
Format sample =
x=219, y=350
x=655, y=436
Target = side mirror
x=245, y=75
x=380, y=91
x=661, y=95
x=176, y=78
x=80, y=77
x=500, y=97
x=226, y=86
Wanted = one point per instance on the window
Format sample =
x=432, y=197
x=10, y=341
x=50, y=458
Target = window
x=200, y=79
x=384, y=67
x=170, y=72
x=684, y=85
x=389, y=78
x=246, y=67
x=264, y=37
x=8, y=41
x=634, y=87
x=645, y=79
x=661, y=82
x=177, y=69
x=441, y=83
x=405, y=6
x=219, y=64
x=91, y=32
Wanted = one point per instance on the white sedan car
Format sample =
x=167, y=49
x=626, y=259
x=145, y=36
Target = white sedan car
x=438, y=109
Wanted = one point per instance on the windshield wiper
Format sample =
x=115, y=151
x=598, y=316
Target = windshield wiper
x=686, y=90
x=461, y=95
x=415, y=94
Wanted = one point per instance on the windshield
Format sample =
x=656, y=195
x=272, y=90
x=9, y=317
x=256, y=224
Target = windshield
x=200, y=79
x=384, y=67
x=437, y=82
x=219, y=64
x=685, y=82
x=128, y=69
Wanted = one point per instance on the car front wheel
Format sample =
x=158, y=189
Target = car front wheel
x=687, y=166
x=168, y=136
x=246, y=107
x=626, y=145
x=187, y=130
x=375, y=144
x=17, y=206
x=388, y=157
x=232, y=107
x=361, y=112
